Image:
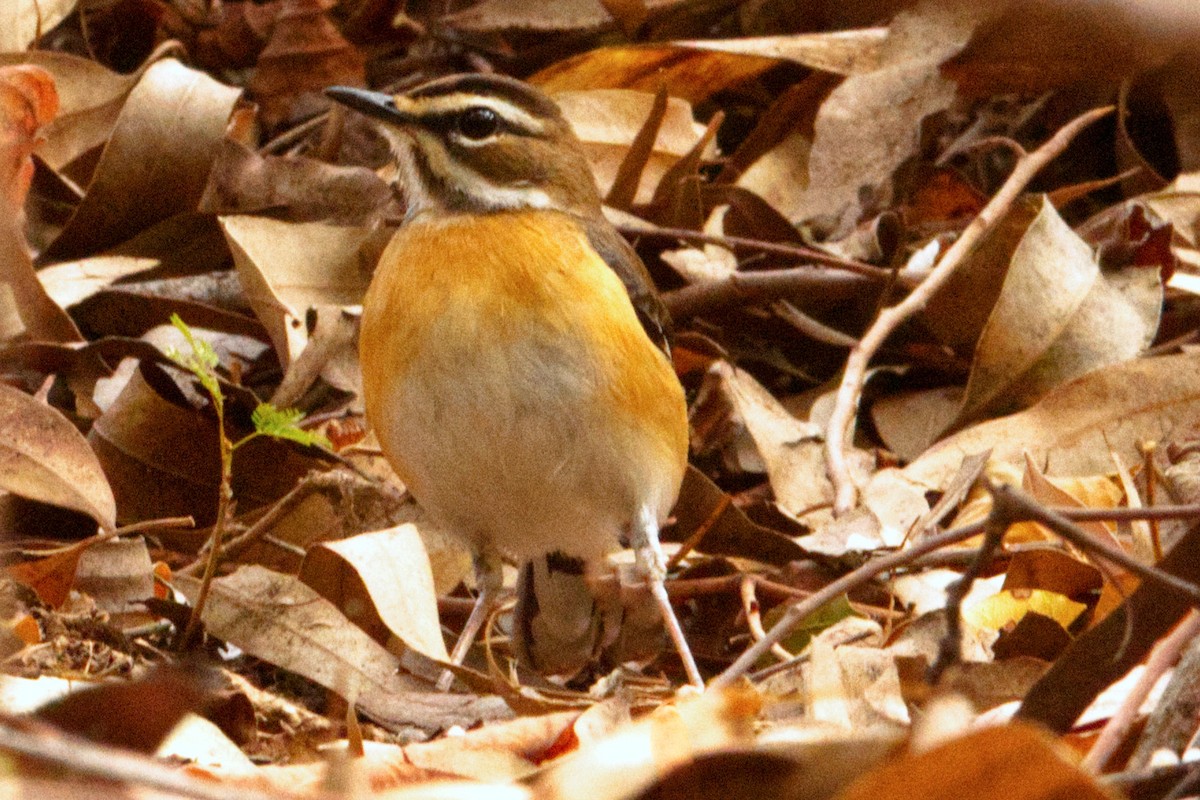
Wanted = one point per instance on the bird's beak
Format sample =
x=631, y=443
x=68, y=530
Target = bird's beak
x=376, y=105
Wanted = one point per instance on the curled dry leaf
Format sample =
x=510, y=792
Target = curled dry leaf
x=1056, y=318
x=288, y=268
x=1074, y=428
x=383, y=582
x=23, y=21
x=116, y=574
x=162, y=147
x=491, y=16
x=871, y=122
x=90, y=99
x=28, y=100
x=607, y=120
x=162, y=456
x=694, y=75
x=45, y=458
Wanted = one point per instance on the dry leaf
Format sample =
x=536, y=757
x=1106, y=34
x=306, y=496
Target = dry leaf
x=162, y=457
x=162, y=147
x=608, y=120
x=1056, y=318
x=1014, y=762
x=22, y=22
x=116, y=574
x=45, y=458
x=516, y=15
x=693, y=75
x=1074, y=428
x=383, y=582
x=841, y=52
x=870, y=123
x=28, y=100
x=90, y=99
x=287, y=268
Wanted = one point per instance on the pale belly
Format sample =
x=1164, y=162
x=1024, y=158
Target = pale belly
x=514, y=445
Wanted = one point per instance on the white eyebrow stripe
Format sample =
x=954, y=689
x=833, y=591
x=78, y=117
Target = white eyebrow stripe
x=460, y=101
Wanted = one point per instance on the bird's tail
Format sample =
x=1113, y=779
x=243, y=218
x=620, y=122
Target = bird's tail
x=566, y=619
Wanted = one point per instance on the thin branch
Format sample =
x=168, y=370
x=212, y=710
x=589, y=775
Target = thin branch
x=753, y=614
x=1164, y=656
x=810, y=327
x=998, y=520
x=848, y=582
x=109, y=763
x=1026, y=508
x=764, y=286
x=1058, y=520
x=839, y=431
x=808, y=254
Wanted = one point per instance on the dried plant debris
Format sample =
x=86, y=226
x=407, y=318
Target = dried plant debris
x=935, y=282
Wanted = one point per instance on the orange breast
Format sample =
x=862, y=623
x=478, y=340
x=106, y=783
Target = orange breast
x=502, y=362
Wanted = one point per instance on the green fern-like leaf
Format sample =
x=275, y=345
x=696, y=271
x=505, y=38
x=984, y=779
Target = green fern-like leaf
x=284, y=423
x=201, y=362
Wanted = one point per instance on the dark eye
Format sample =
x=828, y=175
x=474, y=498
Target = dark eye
x=478, y=122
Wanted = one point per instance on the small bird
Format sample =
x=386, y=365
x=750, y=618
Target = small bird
x=515, y=360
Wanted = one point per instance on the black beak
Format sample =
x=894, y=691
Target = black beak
x=376, y=105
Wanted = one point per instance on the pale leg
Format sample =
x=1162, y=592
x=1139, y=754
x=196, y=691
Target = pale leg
x=489, y=580
x=644, y=540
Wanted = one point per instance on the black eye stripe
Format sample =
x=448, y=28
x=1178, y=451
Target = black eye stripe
x=444, y=123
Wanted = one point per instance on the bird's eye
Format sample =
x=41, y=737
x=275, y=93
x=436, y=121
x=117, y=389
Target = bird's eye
x=478, y=122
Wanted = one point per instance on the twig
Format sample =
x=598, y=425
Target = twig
x=109, y=763
x=800, y=658
x=809, y=254
x=1162, y=657
x=839, y=430
x=1025, y=507
x=701, y=531
x=1058, y=520
x=812, y=328
x=754, y=617
x=851, y=580
x=764, y=285
x=949, y=652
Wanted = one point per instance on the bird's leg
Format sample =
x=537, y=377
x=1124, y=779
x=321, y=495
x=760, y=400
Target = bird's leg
x=489, y=580
x=644, y=540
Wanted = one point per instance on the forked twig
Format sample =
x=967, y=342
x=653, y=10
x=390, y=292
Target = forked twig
x=839, y=431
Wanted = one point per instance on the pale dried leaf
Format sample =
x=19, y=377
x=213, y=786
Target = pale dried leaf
x=842, y=52
x=23, y=21
x=44, y=457
x=116, y=574
x=1072, y=428
x=278, y=619
x=519, y=15
x=72, y=282
x=287, y=268
x=871, y=122
x=1057, y=317
x=607, y=120
x=384, y=575
x=90, y=96
x=162, y=147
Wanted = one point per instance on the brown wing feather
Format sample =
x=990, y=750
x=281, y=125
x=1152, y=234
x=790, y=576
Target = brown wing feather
x=624, y=260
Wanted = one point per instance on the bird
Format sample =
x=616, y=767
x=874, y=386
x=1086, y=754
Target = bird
x=516, y=364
